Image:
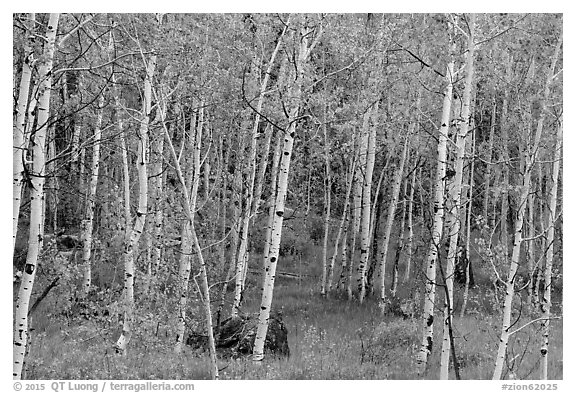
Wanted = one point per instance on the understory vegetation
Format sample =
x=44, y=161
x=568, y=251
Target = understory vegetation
x=330, y=338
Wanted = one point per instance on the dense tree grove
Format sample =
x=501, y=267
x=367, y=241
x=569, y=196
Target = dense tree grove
x=179, y=176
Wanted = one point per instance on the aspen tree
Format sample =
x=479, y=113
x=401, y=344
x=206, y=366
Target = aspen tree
x=21, y=332
x=392, y=211
x=223, y=212
x=410, y=225
x=505, y=157
x=141, y=211
x=125, y=165
x=20, y=137
x=263, y=161
x=78, y=120
x=531, y=152
x=327, y=208
x=53, y=184
x=344, y=253
x=438, y=222
x=357, y=210
x=527, y=118
x=303, y=52
x=547, y=296
x=488, y=171
x=241, y=264
x=235, y=228
x=272, y=203
x=468, y=267
x=530, y=249
x=237, y=192
x=342, y=228
x=187, y=245
x=368, y=153
x=400, y=246
x=538, y=269
x=88, y=221
x=189, y=201
x=375, y=227
x=156, y=167
x=455, y=199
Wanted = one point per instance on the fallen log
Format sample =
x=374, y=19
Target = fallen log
x=237, y=334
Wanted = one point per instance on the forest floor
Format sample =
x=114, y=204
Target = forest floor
x=329, y=338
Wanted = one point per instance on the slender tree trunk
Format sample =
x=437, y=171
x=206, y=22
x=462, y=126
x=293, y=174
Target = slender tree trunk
x=357, y=210
x=237, y=193
x=223, y=210
x=375, y=221
x=241, y=265
x=54, y=184
x=282, y=188
x=547, y=298
x=187, y=235
x=20, y=139
x=189, y=202
x=530, y=249
x=263, y=157
x=437, y=224
x=78, y=120
x=141, y=212
x=455, y=201
x=21, y=332
x=271, y=205
x=391, y=213
x=327, y=208
x=410, y=228
x=344, y=252
x=524, y=191
x=488, y=173
x=400, y=246
x=369, y=154
x=468, y=267
x=125, y=163
x=88, y=222
x=156, y=166
x=341, y=228
x=539, y=270
x=506, y=167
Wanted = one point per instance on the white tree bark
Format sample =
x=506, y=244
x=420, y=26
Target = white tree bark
x=20, y=139
x=400, y=246
x=469, y=225
x=367, y=158
x=21, y=332
x=391, y=213
x=438, y=223
x=295, y=95
x=327, y=208
x=187, y=236
x=272, y=205
x=156, y=167
x=88, y=221
x=506, y=170
x=410, y=228
x=242, y=261
x=488, y=171
x=524, y=191
x=357, y=213
x=455, y=200
x=141, y=212
x=342, y=228
x=189, y=201
x=547, y=297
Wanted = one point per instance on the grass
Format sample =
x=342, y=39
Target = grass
x=329, y=338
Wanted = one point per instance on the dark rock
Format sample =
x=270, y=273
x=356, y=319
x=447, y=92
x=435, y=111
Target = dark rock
x=237, y=335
